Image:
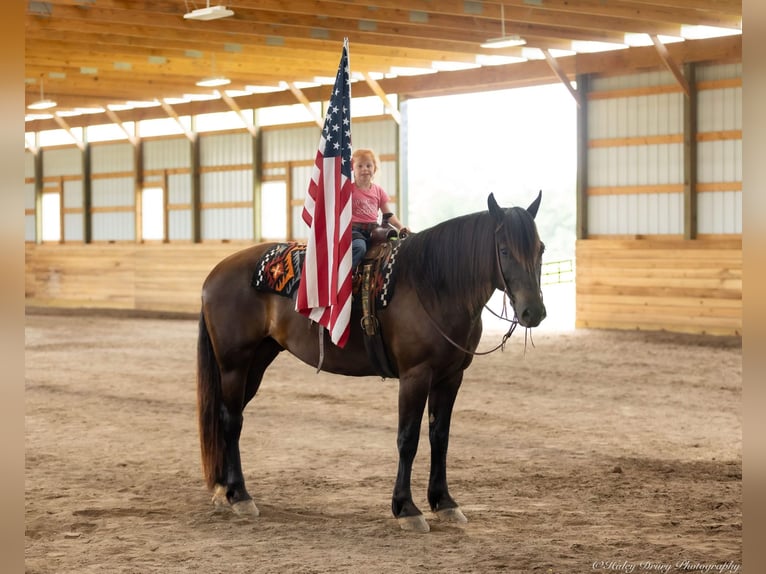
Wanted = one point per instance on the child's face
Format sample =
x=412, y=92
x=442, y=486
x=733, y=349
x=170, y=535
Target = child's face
x=364, y=169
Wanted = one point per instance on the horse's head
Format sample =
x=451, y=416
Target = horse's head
x=519, y=253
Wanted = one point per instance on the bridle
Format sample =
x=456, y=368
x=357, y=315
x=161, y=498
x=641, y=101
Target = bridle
x=503, y=315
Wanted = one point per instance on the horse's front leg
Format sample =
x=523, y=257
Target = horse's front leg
x=413, y=392
x=441, y=400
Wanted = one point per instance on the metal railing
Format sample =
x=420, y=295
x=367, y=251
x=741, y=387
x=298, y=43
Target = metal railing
x=555, y=272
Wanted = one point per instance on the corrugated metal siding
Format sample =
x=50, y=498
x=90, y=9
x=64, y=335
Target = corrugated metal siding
x=167, y=153
x=62, y=161
x=111, y=158
x=230, y=186
x=226, y=149
x=719, y=161
x=633, y=164
x=179, y=193
x=113, y=225
x=230, y=223
x=290, y=143
x=73, y=199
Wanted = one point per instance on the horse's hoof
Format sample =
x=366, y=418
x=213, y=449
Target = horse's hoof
x=414, y=523
x=451, y=515
x=219, y=497
x=245, y=508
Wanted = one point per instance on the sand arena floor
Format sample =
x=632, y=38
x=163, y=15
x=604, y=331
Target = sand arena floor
x=591, y=452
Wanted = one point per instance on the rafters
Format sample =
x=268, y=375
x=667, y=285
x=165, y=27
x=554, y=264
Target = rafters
x=103, y=52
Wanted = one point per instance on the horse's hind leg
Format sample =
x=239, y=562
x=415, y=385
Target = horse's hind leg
x=238, y=387
x=440, y=403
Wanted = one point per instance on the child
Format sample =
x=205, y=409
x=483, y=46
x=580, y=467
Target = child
x=367, y=200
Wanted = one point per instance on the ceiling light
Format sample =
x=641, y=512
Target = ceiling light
x=42, y=103
x=213, y=80
x=504, y=41
x=209, y=13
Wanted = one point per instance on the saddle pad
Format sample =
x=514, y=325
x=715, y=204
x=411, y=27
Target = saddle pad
x=279, y=270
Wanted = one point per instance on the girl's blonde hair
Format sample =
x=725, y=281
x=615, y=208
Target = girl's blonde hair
x=365, y=152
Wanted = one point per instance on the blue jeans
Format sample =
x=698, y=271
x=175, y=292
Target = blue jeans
x=358, y=249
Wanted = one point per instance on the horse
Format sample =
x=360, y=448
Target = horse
x=445, y=275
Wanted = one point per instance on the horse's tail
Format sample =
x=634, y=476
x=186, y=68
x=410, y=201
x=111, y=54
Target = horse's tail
x=209, y=407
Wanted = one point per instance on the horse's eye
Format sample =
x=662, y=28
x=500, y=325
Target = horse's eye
x=503, y=252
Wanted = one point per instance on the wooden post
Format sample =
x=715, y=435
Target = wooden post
x=690, y=154
x=583, y=87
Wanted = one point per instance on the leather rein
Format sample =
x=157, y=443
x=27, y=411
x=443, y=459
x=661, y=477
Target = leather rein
x=513, y=322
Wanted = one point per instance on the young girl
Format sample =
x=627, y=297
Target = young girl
x=367, y=200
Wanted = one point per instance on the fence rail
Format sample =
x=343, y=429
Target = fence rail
x=555, y=272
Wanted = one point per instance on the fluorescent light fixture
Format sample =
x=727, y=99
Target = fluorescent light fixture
x=119, y=107
x=213, y=82
x=504, y=41
x=209, y=13
x=42, y=103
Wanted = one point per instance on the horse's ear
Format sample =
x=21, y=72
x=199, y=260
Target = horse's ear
x=532, y=209
x=497, y=212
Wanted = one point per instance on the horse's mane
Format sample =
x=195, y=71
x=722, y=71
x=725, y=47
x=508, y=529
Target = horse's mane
x=455, y=260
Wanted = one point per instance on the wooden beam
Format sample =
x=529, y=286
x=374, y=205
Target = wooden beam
x=116, y=120
x=247, y=122
x=662, y=50
x=65, y=126
x=301, y=97
x=375, y=86
x=172, y=113
x=561, y=75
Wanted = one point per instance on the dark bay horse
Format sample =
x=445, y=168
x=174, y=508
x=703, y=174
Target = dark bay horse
x=444, y=277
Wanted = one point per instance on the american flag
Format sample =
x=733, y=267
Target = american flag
x=324, y=294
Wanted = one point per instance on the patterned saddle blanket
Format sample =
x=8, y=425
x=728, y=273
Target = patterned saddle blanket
x=279, y=271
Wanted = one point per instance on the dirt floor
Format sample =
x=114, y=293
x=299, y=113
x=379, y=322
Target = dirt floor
x=591, y=452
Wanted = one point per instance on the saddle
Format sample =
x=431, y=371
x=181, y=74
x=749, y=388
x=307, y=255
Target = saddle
x=367, y=282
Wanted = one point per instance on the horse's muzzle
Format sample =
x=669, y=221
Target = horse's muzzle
x=531, y=315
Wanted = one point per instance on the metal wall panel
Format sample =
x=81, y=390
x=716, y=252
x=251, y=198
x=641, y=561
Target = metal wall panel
x=179, y=193
x=180, y=225
x=113, y=192
x=231, y=223
x=167, y=153
x=226, y=149
x=290, y=143
x=636, y=214
x=111, y=158
x=62, y=161
x=114, y=226
x=29, y=164
x=73, y=222
x=632, y=163
x=227, y=186
x=719, y=111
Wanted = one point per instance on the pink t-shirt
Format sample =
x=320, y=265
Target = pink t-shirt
x=366, y=203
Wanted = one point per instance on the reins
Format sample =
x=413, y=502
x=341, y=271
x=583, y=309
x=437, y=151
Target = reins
x=513, y=322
